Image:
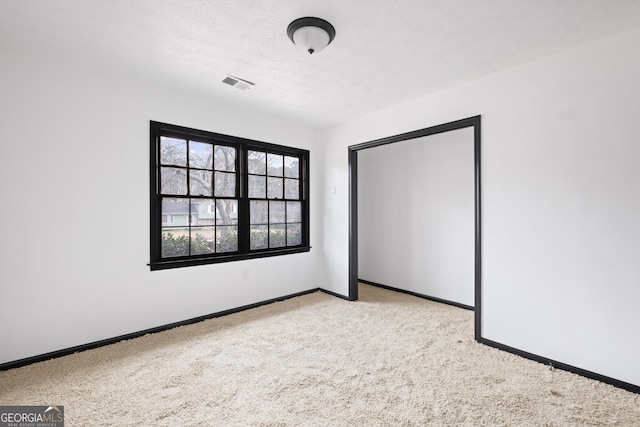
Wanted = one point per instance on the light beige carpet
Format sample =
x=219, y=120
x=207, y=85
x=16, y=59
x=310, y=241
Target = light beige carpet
x=387, y=360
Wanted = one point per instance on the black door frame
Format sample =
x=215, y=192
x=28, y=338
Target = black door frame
x=353, y=202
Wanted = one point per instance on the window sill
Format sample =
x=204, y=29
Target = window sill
x=190, y=262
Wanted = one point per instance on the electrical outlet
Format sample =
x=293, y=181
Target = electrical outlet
x=333, y=190
x=245, y=274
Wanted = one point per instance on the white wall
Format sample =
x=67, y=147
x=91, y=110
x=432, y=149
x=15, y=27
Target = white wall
x=560, y=201
x=416, y=215
x=74, y=221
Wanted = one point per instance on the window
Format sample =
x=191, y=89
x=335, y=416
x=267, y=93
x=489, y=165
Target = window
x=217, y=198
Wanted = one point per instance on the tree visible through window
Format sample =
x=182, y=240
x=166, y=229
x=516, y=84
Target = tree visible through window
x=220, y=198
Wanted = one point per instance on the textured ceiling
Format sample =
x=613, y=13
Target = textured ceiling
x=385, y=51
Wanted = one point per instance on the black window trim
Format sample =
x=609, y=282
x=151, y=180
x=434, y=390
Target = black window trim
x=243, y=145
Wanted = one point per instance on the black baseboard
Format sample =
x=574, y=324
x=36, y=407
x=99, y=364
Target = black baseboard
x=415, y=294
x=553, y=364
x=333, y=294
x=108, y=341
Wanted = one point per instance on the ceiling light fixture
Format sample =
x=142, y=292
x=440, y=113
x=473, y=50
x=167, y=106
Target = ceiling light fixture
x=311, y=34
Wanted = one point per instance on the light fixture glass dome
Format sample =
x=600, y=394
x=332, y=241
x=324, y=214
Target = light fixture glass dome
x=311, y=34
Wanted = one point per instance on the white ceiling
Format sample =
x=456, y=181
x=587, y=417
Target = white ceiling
x=385, y=51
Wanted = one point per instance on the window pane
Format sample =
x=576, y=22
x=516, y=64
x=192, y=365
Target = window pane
x=175, y=242
x=200, y=155
x=173, y=181
x=177, y=211
x=199, y=183
x=274, y=164
x=294, y=212
x=257, y=187
x=225, y=184
x=225, y=158
x=202, y=240
x=291, y=167
x=274, y=188
x=294, y=234
x=227, y=239
x=173, y=151
x=276, y=212
x=277, y=236
x=259, y=212
x=202, y=212
x=259, y=237
x=257, y=162
x=227, y=212
x=291, y=189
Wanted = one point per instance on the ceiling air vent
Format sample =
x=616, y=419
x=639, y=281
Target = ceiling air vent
x=238, y=83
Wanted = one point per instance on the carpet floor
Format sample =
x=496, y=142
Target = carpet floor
x=389, y=359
